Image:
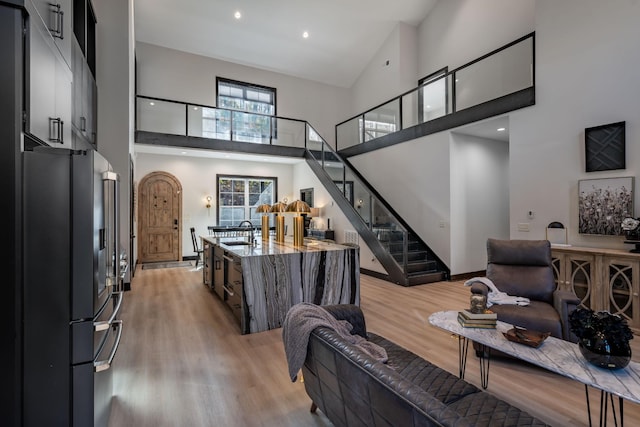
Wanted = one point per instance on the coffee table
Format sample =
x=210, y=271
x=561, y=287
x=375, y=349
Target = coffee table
x=556, y=355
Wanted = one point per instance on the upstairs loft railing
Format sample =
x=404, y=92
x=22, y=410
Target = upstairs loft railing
x=504, y=71
x=184, y=119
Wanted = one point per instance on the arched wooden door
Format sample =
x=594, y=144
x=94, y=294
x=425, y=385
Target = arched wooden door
x=159, y=218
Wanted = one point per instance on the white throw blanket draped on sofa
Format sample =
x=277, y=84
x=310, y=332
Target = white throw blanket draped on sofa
x=302, y=319
x=496, y=296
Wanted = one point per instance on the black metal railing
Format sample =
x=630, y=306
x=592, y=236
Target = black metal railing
x=506, y=70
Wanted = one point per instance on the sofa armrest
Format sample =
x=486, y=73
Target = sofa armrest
x=352, y=314
x=565, y=302
x=479, y=288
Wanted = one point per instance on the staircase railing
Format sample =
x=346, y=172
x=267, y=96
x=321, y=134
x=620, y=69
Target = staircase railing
x=374, y=220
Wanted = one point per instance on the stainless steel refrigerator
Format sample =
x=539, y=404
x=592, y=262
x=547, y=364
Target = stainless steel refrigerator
x=72, y=294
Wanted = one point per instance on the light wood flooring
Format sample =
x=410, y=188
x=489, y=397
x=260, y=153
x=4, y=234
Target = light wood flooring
x=183, y=362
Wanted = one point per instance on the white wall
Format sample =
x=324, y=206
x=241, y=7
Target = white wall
x=587, y=62
x=180, y=76
x=458, y=31
x=479, y=199
x=380, y=82
x=198, y=178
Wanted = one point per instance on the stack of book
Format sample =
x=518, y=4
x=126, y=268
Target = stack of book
x=468, y=319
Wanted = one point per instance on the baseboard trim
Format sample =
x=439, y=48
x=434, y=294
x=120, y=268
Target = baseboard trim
x=375, y=274
x=467, y=276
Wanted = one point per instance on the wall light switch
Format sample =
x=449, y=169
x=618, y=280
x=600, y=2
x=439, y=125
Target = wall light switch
x=523, y=226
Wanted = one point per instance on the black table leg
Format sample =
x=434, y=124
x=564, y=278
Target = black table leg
x=605, y=398
x=463, y=348
x=485, y=360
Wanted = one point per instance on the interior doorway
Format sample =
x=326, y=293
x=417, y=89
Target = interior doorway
x=159, y=218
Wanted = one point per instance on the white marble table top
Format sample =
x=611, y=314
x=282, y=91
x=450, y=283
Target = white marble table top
x=556, y=355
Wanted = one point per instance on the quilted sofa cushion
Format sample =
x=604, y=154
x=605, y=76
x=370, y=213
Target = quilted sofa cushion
x=443, y=385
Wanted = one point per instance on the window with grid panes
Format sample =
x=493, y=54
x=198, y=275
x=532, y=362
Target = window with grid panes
x=238, y=197
x=255, y=107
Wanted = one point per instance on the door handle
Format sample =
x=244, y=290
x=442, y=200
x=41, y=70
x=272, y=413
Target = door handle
x=103, y=365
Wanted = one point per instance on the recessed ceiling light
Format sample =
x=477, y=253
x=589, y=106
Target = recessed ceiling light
x=152, y=103
x=305, y=35
x=237, y=15
x=183, y=152
x=195, y=108
x=501, y=129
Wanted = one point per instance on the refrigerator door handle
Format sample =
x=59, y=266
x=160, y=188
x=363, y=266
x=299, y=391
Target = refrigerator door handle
x=103, y=365
x=101, y=326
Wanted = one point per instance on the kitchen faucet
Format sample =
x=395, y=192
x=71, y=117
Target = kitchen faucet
x=246, y=221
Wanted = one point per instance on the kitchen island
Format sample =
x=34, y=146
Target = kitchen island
x=261, y=281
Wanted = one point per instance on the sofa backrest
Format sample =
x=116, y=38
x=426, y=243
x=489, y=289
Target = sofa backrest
x=521, y=268
x=352, y=388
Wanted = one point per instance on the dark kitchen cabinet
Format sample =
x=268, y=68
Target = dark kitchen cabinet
x=207, y=262
x=234, y=291
x=217, y=283
x=49, y=86
x=85, y=97
x=57, y=19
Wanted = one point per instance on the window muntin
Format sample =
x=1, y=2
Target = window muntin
x=238, y=197
x=254, y=107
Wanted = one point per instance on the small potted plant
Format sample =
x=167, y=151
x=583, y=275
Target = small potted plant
x=603, y=337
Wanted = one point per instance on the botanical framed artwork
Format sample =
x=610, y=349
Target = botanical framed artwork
x=604, y=147
x=603, y=204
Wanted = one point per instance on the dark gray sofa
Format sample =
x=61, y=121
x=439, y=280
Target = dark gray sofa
x=353, y=389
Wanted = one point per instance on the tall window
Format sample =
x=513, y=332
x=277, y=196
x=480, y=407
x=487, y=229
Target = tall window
x=255, y=106
x=238, y=197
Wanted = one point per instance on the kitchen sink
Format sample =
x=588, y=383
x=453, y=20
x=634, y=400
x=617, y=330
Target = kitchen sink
x=237, y=243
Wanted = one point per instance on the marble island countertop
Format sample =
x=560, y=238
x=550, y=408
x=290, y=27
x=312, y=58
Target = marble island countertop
x=275, y=276
x=272, y=247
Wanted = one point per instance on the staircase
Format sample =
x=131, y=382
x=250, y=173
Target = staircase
x=406, y=258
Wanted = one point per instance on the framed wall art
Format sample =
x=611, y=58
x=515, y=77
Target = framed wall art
x=604, y=147
x=603, y=204
x=306, y=195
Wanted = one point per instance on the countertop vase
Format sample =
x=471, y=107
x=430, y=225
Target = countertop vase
x=603, y=352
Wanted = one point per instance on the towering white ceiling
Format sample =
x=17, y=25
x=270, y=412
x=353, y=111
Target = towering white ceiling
x=343, y=34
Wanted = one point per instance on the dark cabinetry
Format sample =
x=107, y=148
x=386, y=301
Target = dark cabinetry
x=48, y=84
x=85, y=89
x=60, y=85
x=85, y=99
x=233, y=290
x=56, y=17
x=207, y=258
x=218, y=271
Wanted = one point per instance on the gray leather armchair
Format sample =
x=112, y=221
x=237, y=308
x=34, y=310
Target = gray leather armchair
x=523, y=268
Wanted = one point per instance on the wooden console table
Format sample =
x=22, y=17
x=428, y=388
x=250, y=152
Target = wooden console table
x=603, y=279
